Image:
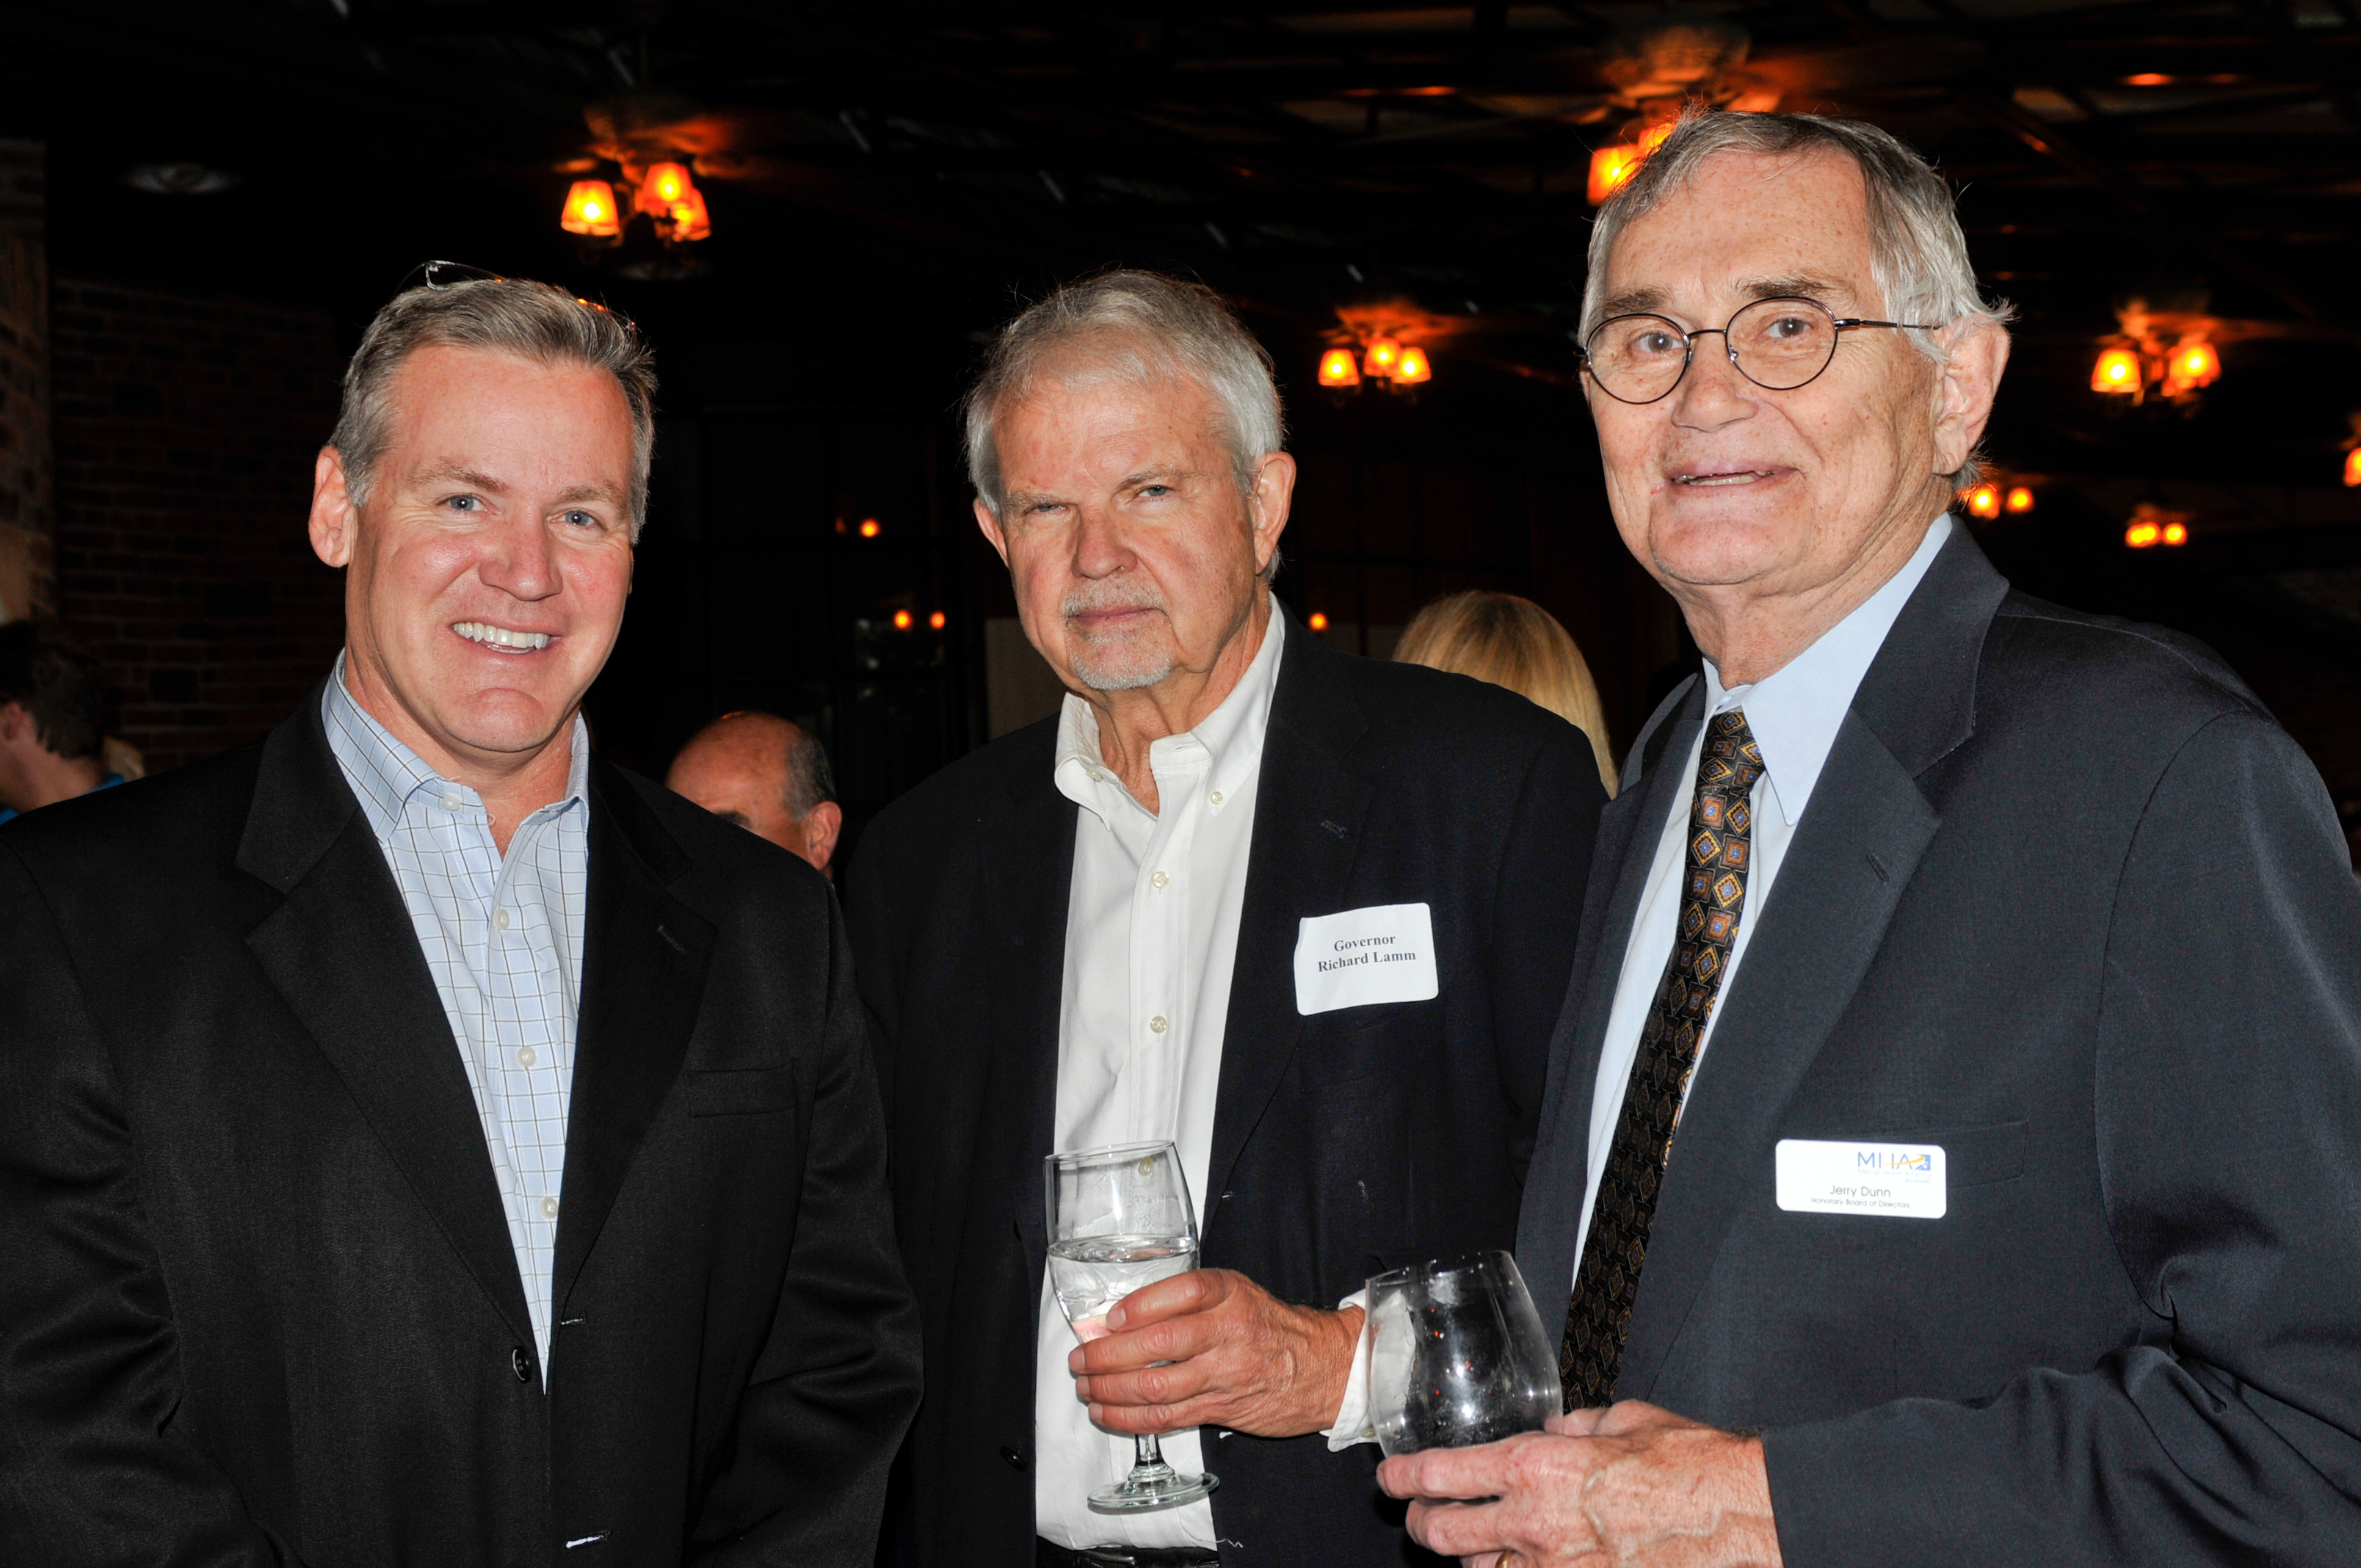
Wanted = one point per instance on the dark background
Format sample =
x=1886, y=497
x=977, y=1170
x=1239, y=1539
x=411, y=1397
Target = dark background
x=888, y=181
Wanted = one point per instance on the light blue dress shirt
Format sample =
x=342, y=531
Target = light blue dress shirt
x=503, y=939
x=1794, y=714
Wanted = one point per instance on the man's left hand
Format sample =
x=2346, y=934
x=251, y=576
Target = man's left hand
x=1238, y=1357
x=1630, y=1484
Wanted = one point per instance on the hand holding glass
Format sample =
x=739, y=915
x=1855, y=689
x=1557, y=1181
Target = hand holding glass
x=1457, y=1356
x=1120, y=1219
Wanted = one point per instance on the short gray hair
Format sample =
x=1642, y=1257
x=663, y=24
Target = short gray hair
x=1139, y=326
x=809, y=779
x=1917, y=253
x=538, y=321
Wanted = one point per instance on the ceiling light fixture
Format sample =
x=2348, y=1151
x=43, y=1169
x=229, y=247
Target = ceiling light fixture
x=664, y=195
x=591, y=210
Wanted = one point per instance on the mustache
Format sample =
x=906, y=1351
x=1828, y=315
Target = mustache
x=1092, y=597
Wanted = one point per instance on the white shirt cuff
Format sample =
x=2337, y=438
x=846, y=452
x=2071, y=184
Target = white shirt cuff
x=1352, y=1425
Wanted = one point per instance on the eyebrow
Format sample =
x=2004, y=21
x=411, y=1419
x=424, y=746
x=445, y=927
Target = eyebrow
x=1017, y=500
x=586, y=493
x=453, y=473
x=1799, y=285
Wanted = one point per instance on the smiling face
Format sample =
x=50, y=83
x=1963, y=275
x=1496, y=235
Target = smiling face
x=489, y=564
x=1723, y=489
x=1135, y=558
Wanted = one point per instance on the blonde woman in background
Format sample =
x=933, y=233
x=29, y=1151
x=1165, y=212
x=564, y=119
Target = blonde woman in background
x=1516, y=643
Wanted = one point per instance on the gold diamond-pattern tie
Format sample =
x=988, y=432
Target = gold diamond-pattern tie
x=1713, y=897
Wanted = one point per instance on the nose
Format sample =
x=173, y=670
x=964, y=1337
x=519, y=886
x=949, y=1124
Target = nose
x=1714, y=393
x=1099, y=549
x=521, y=560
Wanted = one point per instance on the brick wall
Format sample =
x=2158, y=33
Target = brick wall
x=25, y=516
x=185, y=430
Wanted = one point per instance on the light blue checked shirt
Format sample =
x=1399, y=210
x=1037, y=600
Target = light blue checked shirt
x=503, y=939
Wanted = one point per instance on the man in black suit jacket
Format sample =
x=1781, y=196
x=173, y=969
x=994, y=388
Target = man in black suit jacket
x=1335, y=1135
x=280, y=1287
x=2012, y=1212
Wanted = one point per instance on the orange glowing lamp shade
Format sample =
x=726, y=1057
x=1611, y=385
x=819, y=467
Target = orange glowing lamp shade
x=901, y=620
x=2194, y=364
x=1317, y=621
x=666, y=184
x=1384, y=356
x=590, y=210
x=1609, y=167
x=869, y=529
x=939, y=620
x=2142, y=533
x=689, y=219
x=1414, y=368
x=2353, y=469
x=1985, y=501
x=2176, y=533
x=2019, y=498
x=2118, y=370
x=1337, y=369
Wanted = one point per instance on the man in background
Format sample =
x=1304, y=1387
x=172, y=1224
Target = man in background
x=53, y=718
x=770, y=777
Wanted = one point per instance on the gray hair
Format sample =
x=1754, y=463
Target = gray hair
x=538, y=321
x=1142, y=327
x=809, y=778
x=1917, y=253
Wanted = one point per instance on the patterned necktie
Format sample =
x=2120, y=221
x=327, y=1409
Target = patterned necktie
x=1713, y=895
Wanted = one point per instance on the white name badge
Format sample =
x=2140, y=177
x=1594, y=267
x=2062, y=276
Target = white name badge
x=1383, y=953
x=1901, y=1181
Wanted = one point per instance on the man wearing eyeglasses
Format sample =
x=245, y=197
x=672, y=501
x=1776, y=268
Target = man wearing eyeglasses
x=420, y=1142
x=1952, y=1145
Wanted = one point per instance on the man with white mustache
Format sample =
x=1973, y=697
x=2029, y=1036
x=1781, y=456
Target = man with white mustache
x=1123, y=925
x=422, y=1142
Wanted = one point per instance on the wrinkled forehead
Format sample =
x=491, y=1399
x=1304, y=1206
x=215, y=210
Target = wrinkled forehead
x=1747, y=225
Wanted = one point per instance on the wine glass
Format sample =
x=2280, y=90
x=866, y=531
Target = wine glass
x=1457, y=1356
x=1120, y=1218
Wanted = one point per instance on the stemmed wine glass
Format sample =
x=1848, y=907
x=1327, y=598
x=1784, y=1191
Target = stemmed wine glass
x=1120, y=1218
x=1457, y=1356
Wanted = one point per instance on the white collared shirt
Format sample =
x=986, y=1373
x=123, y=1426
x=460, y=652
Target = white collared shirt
x=1794, y=714
x=502, y=936
x=1152, y=934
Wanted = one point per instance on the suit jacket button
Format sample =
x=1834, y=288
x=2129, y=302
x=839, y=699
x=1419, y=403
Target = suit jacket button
x=520, y=1364
x=1015, y=1460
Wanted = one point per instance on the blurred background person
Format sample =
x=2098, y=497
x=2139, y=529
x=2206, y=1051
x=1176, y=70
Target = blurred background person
x=1516, y=643
x=769, y=777
x=53, y=717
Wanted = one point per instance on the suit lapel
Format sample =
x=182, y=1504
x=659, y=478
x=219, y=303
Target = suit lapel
x=1629, y=830
x=1821, y=926
x=1029, y=883
x=644, y=955
x=342, y=951
x=1308, y=814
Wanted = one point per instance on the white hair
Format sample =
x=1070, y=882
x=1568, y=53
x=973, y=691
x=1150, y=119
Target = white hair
x=1917, y=253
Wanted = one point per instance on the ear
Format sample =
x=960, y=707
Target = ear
x=985, y=521
x=14, y=720
x=1274, y=493
x=821, y=825
x=335, y=519
x=1965, y=390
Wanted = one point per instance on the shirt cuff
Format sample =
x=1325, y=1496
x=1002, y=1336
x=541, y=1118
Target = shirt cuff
x=1352, y=1425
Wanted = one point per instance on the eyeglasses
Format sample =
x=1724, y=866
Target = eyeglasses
x=1778, y=344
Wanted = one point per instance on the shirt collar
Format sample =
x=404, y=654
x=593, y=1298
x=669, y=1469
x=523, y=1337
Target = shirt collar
x=385, y=773
x=1225, y=746
x=1795, y=711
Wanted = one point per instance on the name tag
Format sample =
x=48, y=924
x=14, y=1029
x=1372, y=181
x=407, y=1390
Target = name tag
x=1383, y=953
x=1901, y=1181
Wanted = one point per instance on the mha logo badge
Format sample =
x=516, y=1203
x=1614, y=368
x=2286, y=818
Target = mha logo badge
x=1894, y=1181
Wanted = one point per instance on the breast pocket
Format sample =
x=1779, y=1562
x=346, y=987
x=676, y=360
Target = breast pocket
x=740, y=1092
x=1975, y=1156
x=1394, y=1040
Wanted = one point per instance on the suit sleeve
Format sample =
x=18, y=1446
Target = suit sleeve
x=870, y=921
x=1536, y=912
x=835, y=1386
x=2228, y=1098
x=94, y=1467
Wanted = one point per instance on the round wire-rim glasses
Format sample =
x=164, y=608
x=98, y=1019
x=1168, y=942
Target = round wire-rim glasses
x=1791, y=341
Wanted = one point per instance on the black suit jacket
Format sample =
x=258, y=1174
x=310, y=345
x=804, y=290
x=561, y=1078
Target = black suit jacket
x=2068, y=903
x=1344, y=1144
x=259, y=1304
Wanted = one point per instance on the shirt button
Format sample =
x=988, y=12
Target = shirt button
x=500, y=918
x=527, y=1056
x=1159, y=881
x=450, y=803
x=549, y=1208
x=1156, y=1026
x=1215, y=798
x=1015, y=1460
x=520, y=1364
x=1097, y=777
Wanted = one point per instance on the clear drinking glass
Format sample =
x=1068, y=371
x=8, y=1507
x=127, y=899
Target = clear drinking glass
x=1120, y=1218
x=1457, y=1356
